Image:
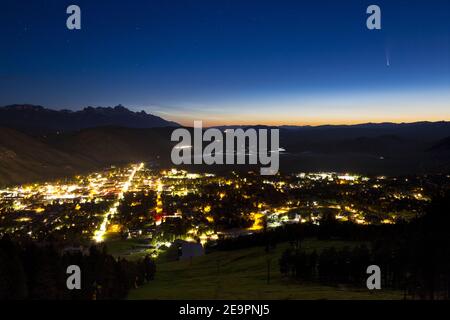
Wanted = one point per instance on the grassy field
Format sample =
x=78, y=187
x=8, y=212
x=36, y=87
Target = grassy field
x=242, y=274
x=130, y=249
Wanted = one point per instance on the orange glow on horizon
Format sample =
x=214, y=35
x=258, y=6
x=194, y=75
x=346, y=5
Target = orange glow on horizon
x=296, y=121
x=338, y=109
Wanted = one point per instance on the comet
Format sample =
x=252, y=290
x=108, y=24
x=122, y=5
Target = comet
x=388, y=63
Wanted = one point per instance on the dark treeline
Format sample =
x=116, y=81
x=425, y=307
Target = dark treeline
x=31, y=271
x=330, y=266
x=328, y=229
x=413, y=257
x=416, y=260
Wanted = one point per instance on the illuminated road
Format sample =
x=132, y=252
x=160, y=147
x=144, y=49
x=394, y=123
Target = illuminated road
x=100, y=233
x=159, y=204
x=159, y=190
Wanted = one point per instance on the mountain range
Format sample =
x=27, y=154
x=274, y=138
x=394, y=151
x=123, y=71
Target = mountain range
x=37, y=119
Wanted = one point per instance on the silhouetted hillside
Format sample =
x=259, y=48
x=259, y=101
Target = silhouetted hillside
x=442, y=145
x=371, y=149
x=385, y=148
x=24, y=158
x=113, y=145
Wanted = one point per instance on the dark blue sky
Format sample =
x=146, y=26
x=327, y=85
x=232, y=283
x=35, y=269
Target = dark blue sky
x=248, y=61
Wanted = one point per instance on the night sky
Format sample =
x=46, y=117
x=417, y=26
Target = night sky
x=232, y=62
